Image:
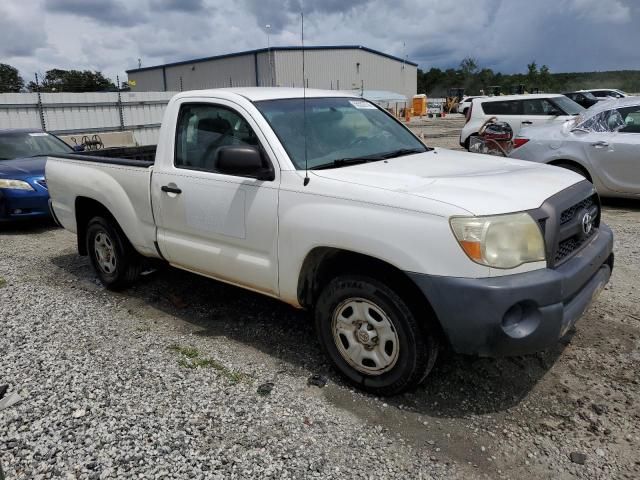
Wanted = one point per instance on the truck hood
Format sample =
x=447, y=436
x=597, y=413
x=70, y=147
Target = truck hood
x=19, y=168
x=479, y=184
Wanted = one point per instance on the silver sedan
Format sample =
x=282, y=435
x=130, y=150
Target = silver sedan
x=602, y=144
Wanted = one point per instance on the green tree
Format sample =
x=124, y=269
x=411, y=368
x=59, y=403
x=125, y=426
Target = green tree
x=532, y=75
x=544, y=78
x=57, y=80
x=10, y=79
x=469, y=67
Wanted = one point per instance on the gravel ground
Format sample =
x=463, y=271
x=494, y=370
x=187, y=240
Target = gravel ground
x=162, y=381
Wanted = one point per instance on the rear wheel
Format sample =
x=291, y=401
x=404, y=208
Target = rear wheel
x=372, y=335
x=112, y=256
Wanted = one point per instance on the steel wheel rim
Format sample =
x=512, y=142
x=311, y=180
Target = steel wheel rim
x=105, y=252
x=365, y=336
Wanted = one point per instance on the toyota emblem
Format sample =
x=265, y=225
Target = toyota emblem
x=587, y=223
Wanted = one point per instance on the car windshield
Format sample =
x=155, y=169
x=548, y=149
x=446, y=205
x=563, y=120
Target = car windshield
x=339, y=131
x=30, y=144
x=568, y=106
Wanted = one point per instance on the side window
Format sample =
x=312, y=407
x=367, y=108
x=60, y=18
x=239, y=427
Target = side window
x=631, y=118
x=502, y=108
x=201, y=131
x=538, y=106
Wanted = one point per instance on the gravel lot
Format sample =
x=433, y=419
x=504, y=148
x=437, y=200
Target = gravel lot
x=161, y=381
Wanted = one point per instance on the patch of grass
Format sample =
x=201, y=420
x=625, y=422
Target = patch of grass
x=190, y=358
x=189, y=352
x=3, y=282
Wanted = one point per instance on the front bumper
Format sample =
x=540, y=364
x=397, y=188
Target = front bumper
x=521, y=313
x=23, y=205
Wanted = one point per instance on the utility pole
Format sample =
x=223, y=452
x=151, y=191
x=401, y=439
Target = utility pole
x=40, y=106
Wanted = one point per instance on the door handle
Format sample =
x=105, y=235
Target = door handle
x=168, y=189
x=600, y=144
x=527, y=122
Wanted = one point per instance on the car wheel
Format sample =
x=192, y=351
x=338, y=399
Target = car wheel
x=112, y=256
x=372, y=336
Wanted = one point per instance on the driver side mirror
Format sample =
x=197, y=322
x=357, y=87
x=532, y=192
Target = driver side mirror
x=244, y=161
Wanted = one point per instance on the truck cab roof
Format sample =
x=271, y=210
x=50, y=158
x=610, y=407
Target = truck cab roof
x=256, y=94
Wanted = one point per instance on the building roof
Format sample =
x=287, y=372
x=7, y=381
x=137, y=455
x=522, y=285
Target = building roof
x=273, y=49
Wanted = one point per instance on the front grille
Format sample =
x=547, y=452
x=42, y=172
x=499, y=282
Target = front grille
x=571, y=235
x=571, y=245
x=42, y=183
x=568, y=214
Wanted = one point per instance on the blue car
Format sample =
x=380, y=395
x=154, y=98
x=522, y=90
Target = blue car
x=23, y=188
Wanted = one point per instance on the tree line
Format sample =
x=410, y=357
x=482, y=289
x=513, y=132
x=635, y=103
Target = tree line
x=475, y=80
x=55, y=80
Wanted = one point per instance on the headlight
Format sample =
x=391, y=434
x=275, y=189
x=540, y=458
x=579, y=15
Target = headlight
x=500, y=241
x=15, y=184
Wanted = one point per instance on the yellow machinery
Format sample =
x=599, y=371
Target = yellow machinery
x=453, y=99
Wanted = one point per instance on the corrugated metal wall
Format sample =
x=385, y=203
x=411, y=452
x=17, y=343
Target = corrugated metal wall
x=84, y=113
x=346, y=70
x=225, y=72
x=343, y=69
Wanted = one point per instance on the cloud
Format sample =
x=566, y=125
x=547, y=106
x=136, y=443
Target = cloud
x=611, y=11
x=109, y=12
x=19, y=38
x=110, y=35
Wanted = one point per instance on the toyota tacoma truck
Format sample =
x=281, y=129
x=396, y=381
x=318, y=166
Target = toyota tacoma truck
x=328, y=203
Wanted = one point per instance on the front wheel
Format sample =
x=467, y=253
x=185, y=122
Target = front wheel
x=112, y=256
x=372, y=335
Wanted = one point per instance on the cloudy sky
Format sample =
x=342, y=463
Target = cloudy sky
x=110, y=35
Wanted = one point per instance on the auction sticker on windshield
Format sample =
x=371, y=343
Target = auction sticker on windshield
x=361, y=104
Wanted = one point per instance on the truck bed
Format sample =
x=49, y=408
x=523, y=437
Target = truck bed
x=119, y=184
x=143, y=157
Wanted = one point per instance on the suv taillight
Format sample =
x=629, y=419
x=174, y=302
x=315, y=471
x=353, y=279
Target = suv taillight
x=518, y=142
x=468, y=117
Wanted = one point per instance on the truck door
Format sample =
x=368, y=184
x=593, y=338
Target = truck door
x=224, y=226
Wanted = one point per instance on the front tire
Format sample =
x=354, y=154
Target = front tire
x=112, y=256
x=372, y=335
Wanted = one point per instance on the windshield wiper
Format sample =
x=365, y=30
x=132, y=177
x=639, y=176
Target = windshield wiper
x=401, y=152
x=345, y=162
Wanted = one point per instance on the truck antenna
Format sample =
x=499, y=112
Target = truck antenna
x=304, y=105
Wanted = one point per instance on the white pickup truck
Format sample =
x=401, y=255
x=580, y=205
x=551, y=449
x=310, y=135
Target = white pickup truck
x=329, y=204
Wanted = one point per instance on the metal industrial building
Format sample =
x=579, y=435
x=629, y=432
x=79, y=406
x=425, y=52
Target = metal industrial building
x=345, y=67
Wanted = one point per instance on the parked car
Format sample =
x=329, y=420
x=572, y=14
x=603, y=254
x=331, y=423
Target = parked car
x=607, y=93
x=518, y=111
x=23, y=189
x=602, y=145
x=465, y=103
x=328, y=203
x=583, y=98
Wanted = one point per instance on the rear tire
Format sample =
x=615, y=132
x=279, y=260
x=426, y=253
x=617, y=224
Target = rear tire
x=112, y=256
x=372, y=335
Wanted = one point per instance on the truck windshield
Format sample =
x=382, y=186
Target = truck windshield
x=30, y=144
x=339, y=131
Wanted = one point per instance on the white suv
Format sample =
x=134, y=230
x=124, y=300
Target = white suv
x=607, y=93
x=465, y=104
x=518, y=111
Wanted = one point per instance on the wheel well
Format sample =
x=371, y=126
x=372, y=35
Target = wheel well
x=323, y=264
x=86, y=209
x=560, y=163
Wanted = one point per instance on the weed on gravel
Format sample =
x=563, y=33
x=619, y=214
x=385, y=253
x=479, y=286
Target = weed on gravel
x=190, y=358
